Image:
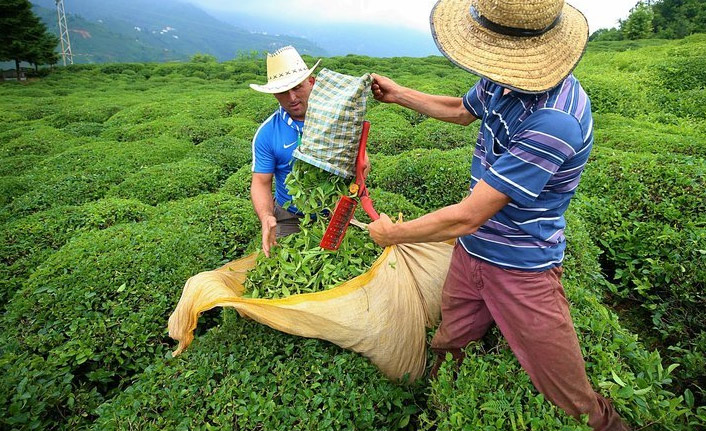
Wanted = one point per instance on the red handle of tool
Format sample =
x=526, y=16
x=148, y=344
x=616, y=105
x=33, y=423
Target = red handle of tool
x=365, y=200
x=360, y=178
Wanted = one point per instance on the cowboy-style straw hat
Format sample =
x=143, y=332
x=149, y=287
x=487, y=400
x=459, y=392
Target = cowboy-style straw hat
x=526, y=45
x=285, y=70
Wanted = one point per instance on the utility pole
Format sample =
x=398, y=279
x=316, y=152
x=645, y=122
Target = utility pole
x=66, y=54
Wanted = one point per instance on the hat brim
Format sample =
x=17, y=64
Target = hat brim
x=284, y=84
x=526, y=64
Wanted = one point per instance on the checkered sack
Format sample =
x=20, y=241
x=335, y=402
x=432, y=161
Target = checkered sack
x=334, y=122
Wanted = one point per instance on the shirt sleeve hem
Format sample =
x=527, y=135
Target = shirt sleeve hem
x=506, y=189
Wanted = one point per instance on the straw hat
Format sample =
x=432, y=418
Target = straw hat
x=285, y=70
x=526, y=45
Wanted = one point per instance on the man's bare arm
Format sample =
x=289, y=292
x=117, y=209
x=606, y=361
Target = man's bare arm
x=444, y=108
x=463, y=218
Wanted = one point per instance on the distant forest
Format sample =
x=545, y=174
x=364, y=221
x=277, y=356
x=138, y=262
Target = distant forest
x=662, y=19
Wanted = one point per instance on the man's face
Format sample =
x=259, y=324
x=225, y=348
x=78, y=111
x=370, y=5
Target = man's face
x=296, y=100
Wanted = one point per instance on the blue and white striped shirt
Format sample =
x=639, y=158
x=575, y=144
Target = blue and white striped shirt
x=532, y=148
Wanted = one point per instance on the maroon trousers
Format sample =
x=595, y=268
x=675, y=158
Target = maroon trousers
x=531, y=311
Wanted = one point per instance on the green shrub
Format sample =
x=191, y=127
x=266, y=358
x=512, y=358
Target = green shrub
x=391, y=204
x=243, y=128
x=244, y=375
x=17, y=165
x=40, y=141
x=80, y=129
x=227, y=152
x=87, y=112
x=648, y=136
x=10, y=188
x=238, y=184
x=25, y=243
x=178, y=126
x=96, y=310
x=86, y=172
x=681, y=73
x=432, y=133
x=253, y=105
x=169, y=181
x=430, y=179
x=390, y=132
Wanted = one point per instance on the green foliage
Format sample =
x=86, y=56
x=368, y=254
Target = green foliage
x=639, y=24
x=647, y=214
x=26, y=242
x=428, y=178
x=169, y=181
x=227, y=152
x=679, y=18
x=225, y=380
x=297, y=264
x=87, y=172
x=238, y=184
x=96, y=309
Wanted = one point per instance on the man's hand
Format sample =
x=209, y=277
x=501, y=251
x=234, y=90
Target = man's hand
x=384, y=89
x=381, y=231
x=269, y=234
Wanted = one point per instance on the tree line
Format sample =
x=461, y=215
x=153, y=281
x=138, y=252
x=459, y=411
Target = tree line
x=662, y=19
x=24, y=37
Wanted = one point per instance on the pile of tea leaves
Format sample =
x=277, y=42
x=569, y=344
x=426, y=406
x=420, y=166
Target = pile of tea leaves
x=297, y=264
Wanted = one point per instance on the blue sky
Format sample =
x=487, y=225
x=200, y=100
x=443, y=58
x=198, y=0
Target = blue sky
x=411, y=14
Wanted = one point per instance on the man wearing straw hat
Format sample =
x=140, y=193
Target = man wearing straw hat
x=534, y=141
x=290, y=81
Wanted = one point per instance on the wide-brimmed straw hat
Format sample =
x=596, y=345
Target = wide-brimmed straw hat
x=525, y=45
x=285, y=70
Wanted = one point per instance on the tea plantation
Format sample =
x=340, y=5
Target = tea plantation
x=118, y=182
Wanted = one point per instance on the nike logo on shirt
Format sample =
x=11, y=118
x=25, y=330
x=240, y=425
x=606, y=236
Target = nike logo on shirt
x=287, y=146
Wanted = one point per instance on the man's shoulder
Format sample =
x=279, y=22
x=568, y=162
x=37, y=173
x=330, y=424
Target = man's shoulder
x=267, y=127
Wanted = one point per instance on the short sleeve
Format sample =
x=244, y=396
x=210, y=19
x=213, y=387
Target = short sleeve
x=475, y=100
x=263, y=157
x=545, y=140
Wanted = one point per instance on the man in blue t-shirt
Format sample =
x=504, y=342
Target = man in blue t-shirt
x=290, y=81
x=535, y=137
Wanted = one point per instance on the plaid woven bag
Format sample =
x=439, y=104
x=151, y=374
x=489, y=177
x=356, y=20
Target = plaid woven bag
x=334, y=122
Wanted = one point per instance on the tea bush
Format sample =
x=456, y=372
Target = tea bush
x=648, y=136
x=96, y=309
x=82, y=128
x=244, y=375
x=390, y=133
x=227, y=152
x=646, y=212
x=39, y=140
x=87, y=172
x=238, y=184
x=25, y=243
x=169, y=181
x=428, y=178
x=17, y=165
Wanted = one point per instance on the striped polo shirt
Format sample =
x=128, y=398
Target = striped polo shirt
x=532, y=148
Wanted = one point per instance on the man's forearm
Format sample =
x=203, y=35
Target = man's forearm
x=262, y=201
x=444, y=108
x=453, y=221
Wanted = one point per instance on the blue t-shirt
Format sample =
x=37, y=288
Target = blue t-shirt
x=272, y=148
x=532, y=148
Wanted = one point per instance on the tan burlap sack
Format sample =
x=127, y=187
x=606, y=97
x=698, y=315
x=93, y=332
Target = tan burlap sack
x=382, y=314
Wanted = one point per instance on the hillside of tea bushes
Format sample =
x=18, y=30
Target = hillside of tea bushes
x=120, y=181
